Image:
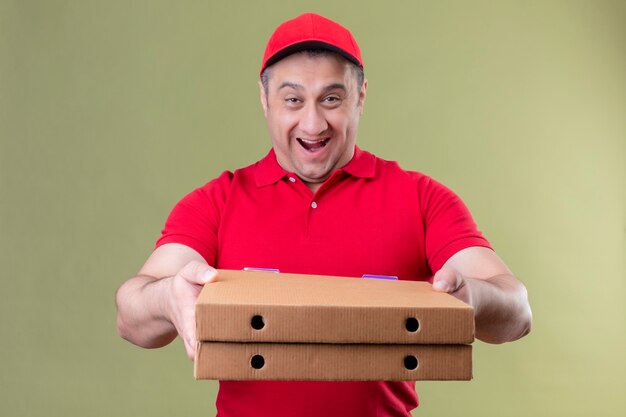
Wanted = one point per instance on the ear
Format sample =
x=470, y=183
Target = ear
x=362, y=96
x=263, y=97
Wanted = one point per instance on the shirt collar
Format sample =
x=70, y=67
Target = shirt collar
x=268, y=171
x=362, y=164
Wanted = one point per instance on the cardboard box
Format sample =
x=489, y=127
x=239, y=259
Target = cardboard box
x=332, y=362
x=254, y=306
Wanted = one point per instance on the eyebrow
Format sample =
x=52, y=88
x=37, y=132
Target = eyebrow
x=288, y=84
x=335, y=86
x=296, y=86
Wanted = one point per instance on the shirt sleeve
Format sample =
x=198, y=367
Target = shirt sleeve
x=448, y=224
x=194, y=220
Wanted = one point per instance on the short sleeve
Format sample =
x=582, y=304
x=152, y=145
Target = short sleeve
x=448, y=224
x=194, y=220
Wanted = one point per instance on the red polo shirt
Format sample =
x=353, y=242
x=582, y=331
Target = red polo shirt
x=370, y=217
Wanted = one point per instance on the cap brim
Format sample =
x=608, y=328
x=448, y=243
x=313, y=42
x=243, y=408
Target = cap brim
x=301, y=46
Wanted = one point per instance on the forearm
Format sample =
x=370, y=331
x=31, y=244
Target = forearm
x=142, y=311
x=501, y=309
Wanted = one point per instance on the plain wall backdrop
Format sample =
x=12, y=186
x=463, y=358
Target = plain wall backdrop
x=111, y=111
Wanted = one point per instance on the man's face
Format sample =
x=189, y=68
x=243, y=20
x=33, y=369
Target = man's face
x=312, y=107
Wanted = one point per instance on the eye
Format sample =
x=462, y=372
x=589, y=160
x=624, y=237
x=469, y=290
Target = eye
x=292, y=100
x=332, y=101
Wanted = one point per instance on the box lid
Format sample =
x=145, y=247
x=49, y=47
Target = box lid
x=257, y=306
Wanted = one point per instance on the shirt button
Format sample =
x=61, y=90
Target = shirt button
x=292, y=179
x=314, y=204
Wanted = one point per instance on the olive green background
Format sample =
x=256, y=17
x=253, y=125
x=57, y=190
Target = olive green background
x=111, y=111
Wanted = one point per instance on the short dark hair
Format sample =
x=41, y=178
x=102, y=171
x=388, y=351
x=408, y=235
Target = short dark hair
x=314, y=53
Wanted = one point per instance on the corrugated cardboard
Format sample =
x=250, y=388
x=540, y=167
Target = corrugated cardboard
x=254, y=306
x=332, y=362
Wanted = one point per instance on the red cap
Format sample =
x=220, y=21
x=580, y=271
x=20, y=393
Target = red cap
x=310, y=31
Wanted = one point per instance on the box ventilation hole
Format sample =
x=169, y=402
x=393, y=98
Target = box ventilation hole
x=258, y=361
x=257, y=322
x=410, y=362
x=412, y=324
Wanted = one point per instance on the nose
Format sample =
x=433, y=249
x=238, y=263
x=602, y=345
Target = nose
x=313, y=122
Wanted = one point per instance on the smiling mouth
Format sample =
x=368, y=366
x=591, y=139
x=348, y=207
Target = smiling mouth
x=313, y=145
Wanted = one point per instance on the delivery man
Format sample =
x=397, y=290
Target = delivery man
x=317, y=204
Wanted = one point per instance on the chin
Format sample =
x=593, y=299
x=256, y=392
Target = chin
x=316, y=175
x=314, y=179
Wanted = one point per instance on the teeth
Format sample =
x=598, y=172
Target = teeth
x=312, y=142
x=313, y=145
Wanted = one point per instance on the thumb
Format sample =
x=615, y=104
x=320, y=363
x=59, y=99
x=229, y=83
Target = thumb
x=198, y=273
x=446, y=280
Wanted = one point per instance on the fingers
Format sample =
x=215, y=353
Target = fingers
x=190, y=348
x=186, y=287
x=452, y=282
x=187, y=329
x=447, y=280
x=198, y=273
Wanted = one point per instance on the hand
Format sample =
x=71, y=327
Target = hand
x=185, y=287
x=452, y=282
x=478, y=276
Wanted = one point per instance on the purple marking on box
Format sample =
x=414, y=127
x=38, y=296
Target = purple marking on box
x=391, y=277
x=247, y=268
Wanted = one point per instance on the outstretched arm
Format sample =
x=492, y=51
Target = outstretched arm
x=158, y=303
x=479, y=277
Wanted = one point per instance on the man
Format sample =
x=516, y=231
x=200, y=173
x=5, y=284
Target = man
x=317, y=204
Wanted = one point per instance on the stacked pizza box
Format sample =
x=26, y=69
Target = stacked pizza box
x=257, y=325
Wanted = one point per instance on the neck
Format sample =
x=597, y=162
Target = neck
x=313, y=186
